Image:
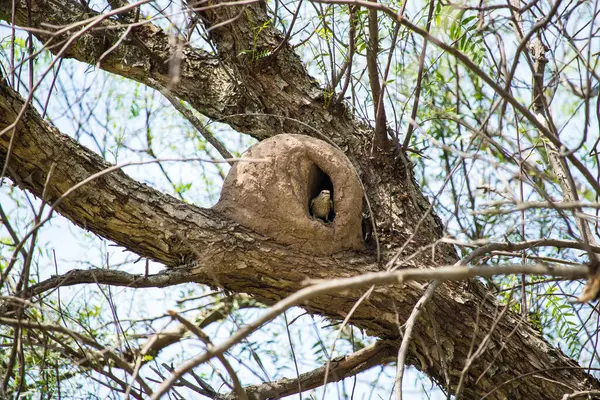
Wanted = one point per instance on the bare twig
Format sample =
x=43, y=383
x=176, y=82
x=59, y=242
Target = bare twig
x=375, y=278
x=239, y=391
x=407, y=335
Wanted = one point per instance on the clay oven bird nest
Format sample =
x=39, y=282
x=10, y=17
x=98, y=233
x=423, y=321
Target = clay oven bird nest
x=273, y=197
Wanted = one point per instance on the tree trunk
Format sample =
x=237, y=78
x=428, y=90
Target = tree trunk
x=275, y=95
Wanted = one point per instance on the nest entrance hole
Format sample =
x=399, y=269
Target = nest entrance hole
x=318, y=181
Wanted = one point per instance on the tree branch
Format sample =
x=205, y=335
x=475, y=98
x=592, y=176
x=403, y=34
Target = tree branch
x=342, y=367
x=162, y=228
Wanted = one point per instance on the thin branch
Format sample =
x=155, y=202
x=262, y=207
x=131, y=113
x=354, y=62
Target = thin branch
x=165, y=278
x=418, y=87
x=380, y=134
x=380, y=352
x=196, y=123
x=375, y=278
x=408, y=332
x=464, y=59
x=79, y=338
x=487, y=247
x=239, y=391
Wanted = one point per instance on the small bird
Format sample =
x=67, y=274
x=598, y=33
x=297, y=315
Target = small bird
x=322, y=205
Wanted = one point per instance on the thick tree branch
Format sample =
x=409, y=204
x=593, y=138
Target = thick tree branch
x=262, y=97
x=162, y=228
x=142, y=56
x=376, y=354
x=220, y=89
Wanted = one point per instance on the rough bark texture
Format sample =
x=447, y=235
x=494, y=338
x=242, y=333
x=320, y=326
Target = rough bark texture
x=339, y=369
x=162, y=228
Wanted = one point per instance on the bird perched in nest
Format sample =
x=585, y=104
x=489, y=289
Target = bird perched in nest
x=322, y=205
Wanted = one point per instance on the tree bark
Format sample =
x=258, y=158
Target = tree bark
x=218, y=252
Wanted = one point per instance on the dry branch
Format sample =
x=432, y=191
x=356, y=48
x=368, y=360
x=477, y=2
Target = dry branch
x=164, y=229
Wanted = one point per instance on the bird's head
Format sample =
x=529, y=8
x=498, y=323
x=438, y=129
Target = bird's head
x=325, y=193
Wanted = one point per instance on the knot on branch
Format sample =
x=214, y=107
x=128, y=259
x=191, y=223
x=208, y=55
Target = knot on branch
x=274, y=197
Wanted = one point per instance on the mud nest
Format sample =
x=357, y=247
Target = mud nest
x=273, y=197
